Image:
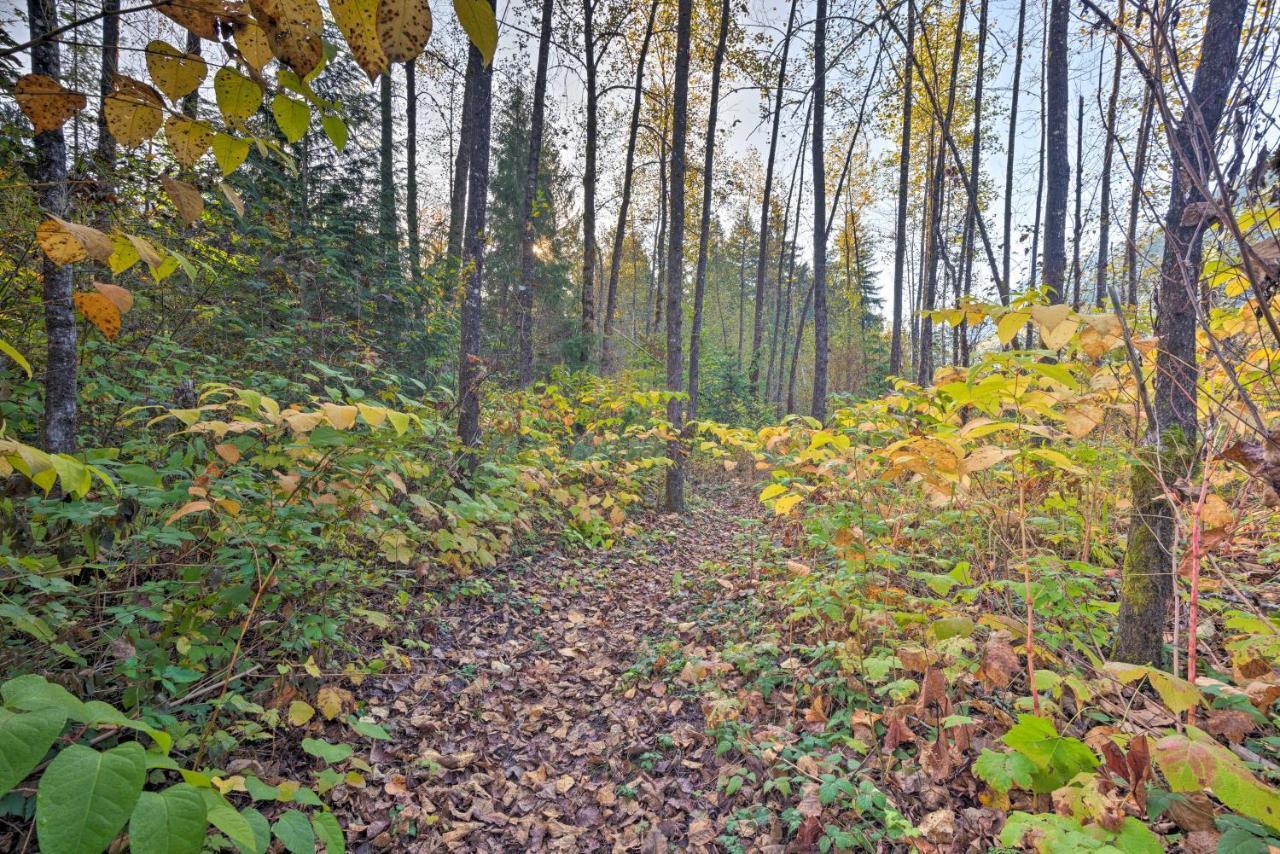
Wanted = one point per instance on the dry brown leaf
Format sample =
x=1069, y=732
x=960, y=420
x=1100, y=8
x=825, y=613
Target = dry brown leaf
x=46, y=102
x=999, y=661
x=185, y=198
x=120, y=297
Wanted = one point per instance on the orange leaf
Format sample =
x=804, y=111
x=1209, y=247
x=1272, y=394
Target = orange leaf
x=101, y=312
x=120, y=297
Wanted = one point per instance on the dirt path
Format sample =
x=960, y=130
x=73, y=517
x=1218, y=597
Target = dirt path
x=545, y=714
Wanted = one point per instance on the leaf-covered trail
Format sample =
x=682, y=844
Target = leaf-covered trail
x=539, y=718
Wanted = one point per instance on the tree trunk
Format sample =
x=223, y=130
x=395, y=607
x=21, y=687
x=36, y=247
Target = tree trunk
x=819, y=402
x=191, y=103
x=757, y=332
x=461, y=161
x=1006, y=290
x=1058, y=176
x=524, y=294
x=704, y=227
x=411, y=180
x=469, y=366
x=786, y=251
x=587, y=329
x=106, y=150
x=1077, y=224
x=1104, y=203
x=386, y=181
x=1147, y=581
x=675, y=257
x=795, y=351
x=60, y=389
x=904, y=185
x=1136, y=194
x=975, y=154
x=619, y=233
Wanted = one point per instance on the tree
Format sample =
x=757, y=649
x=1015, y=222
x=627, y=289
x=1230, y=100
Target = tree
x=524, y=290
x=619, y=232
x=704, y=227
x=50, y=174
x=589, y=181
x=819, y=216
x=480, y=75
x=1108, y=147
x=1146, y=589
x=904, y=180
x=757, y=334
x=1058, y=175
x=411, y=178
x=387, y=179
x=1005, y=291
x=106, y=150
x=675, y=256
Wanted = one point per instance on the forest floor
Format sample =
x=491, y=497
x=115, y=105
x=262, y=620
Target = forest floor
x=556, y=706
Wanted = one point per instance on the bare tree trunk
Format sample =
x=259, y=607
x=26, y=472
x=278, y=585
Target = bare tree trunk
x=191, y=103
x=619, y=233
x=106, y=150
x=795, y=351
x=786, y=251
x=587, y=328
x=461, y=163
x=675, y=257
x=819, y=402
x=386, y=180
x=411, y=180
x=904, y=181
x=704, y=227
x=524, y=295
x=660, y=268
x=1059, y=166
x=60, y=385
x=1146, y=588
x=757, y=336
x=1136, y=194
x=469, y=366
x=1078, y=225
x=1006, y=290
x=975, y=154
x=1104, y=203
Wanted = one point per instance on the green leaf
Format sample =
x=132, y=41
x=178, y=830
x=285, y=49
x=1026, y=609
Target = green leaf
x=238, y=97
x=24, y=740
x=1057, y=758
x=1194, y=762
x=261, y=829
x=478, y=21
x=1002, y=771
x=369, y=729
x=950, y=627
x=236, y=827
x=294, y=831
x=329, y=832
x=85, y=797
x=330, y=753
x=336, y=129
x=18, y=358
x=33, y=693
x=169, y=822
x=229, y=151
x=292, y=116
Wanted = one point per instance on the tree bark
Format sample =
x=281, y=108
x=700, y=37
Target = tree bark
x=524, y=294
x=1007, y=288
x=386, y=180
x=191, y=103
x=106, y=149
x=461, y=161
x=757, y=333
x=411, y=180
x=469, y=365
x=1078, y=225
x=60, y=384
x=587, y=328
x=1136, y=194
x=704, y=227
x=975, y=154
x=1058, y=178
x=1104, y=202
x=1147, y=580
x=675, y=257
x=904, y=185
x=619, y=233
x=819, y=403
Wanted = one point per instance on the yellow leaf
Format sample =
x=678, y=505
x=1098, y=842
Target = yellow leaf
x=100, y=311
x=188, y=139
x=230, y=454
x=202, y=17
x=229, y=151
x=331, y=701
x=1216, y=513
x=292, y=28
x=480, y=25
x=372, y=415
x=292, y=116
x=145, y=250
x=186, y=198
x=133, y=111
x=1010, y=323
x=1080, y=420
x=229, y=505
x=341, y=417
x=187, y=509
x=67, y=242
x=120, y=297
x=300, y=713
x=357, y=19
x=238, y=98
x=773, y=490
x=1056, y=324
x=46, y=102
x=175, y=73
x=311, y=667
x=404, y=26
x=783, y=505
x=123, y=255
x=251, y=41
x=984, y=458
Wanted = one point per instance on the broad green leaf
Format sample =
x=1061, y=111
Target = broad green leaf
x=261, y=830
x=24, y=740
x=223, y=815
x=18, y=359
x=292, y=116
x=329, y=832
x=85, y=797
x=1003, y=770
x=31, y=693
x=480, y=25
x=295, y=833
x=238, y=98
x=1177, y=693
x=330, y=753
x=1057, y=758
x=336, y=129
x=229, y=152
x=169, y=822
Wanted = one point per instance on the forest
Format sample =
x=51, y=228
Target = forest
x=583, y=425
